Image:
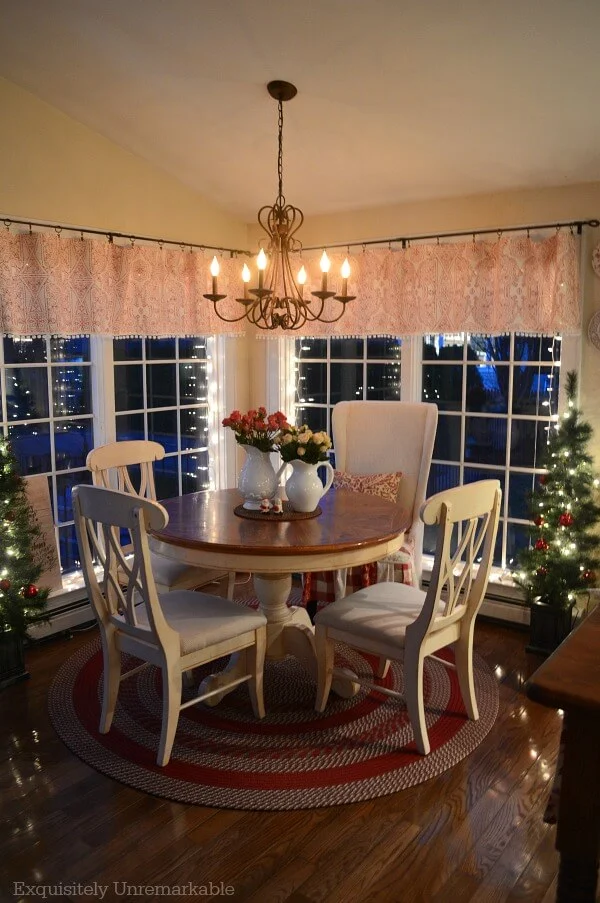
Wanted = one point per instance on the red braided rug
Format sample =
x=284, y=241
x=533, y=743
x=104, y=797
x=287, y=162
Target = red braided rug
x=356, y=750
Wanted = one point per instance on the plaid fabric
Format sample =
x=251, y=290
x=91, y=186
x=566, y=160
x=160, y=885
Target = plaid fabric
x=324, y=587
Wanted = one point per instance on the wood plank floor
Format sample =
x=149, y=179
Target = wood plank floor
x=474, y=834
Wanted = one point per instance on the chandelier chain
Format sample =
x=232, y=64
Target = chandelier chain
x=280, y=153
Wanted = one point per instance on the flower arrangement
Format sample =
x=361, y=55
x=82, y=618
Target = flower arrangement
x=257, y=428
x=301, y=444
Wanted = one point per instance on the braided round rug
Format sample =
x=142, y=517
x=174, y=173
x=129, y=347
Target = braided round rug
x=294, y=758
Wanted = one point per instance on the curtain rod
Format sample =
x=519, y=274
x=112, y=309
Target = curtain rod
x=111, y=234
x=404, y=241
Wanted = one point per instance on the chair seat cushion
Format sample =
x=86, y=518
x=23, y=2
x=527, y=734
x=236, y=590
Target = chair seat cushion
x=170, y=574
x=378, y=614
x=202, y=620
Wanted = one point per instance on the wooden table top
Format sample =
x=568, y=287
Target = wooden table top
x=349, y=520
x=571, y=676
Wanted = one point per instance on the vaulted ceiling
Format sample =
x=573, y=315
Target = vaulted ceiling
x=397, y=101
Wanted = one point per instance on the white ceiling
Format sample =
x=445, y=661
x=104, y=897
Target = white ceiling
x=398, y=100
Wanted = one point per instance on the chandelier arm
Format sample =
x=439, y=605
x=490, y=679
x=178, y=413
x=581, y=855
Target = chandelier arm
x=229, y=319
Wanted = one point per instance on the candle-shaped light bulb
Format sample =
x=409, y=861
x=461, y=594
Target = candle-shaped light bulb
x=245, y=278
x=345, y=273
x=325, y=264
x=214, y=271
x=301, y=280
x=261, y=263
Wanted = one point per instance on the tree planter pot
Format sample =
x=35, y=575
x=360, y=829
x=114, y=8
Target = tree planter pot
x=548, y=627
x=12, y=660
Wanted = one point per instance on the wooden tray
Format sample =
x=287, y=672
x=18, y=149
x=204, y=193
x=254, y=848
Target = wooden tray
x=288, y=513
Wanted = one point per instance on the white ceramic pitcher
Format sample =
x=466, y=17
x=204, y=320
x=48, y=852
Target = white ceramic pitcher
x=258, y=479
x=304, y=488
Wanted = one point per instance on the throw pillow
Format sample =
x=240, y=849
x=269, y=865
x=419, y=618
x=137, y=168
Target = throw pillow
x=384, y=485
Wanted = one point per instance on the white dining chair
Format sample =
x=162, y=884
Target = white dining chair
x=109, y=465
x=398, y=622
x=177, y=631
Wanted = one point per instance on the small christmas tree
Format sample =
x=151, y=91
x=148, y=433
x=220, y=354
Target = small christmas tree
x=562, y=560
x=20, y=547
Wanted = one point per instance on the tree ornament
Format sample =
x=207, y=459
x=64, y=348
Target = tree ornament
x=5, y=585
x=539, y=520
x=541, y=545
x=589, y=576
x=30, y=591
x=543, y=479
x=542, y=571
x=566, y=519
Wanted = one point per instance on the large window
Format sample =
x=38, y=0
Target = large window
x=495, y=397
x=47, y=415
x=161, y=393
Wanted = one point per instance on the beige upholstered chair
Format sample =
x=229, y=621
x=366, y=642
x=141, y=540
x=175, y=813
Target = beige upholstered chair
x=395, y=621
x=176, y=631
x=109, y=466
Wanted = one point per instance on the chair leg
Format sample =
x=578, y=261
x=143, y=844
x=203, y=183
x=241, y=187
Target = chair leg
x=112, y=678
x=255, y=658
x=413, y=694
x=172, y=682
x=230, y=584
x=325, y=650
x=463, y=657
x=383, y=666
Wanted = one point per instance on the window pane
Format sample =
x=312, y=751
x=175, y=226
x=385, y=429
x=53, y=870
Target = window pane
x=487, y=388
x=130, y=426
x=161, y=388
x=127, y=349
x=528, y=441
x=194, y=427
x=386, y=348
x=315, y=418
x=312, y=383
x=193, y=348
x=129, y=387
x=443, y=386
x=69, y=551
x=31, y=445
x=315, y=348
x=26, y=393
x=383, y=382
x=75, y=349
x=160, y=349
x=517, y=537
x=64, y=486
x=488, y=348
x=346, y=348
x=520, y=486
x=443, y=347
x=441, y=477
x=24, y=351
x=193, y=383
x=71, y=392
x=162, y=427
x=535, y=390
x=194, y=472
x=346, y=382
x=485, y=440
x=447, y=438
x=528, y=347
x=166, y=477
x=473, y=474
x=73, y=440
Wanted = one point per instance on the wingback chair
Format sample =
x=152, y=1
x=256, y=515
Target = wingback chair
x=110, y=465
x=377, y=437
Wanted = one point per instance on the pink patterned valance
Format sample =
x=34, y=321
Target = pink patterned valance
x=67, y=286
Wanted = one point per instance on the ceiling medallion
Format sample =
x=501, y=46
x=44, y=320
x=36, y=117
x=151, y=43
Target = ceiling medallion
x=278, y=301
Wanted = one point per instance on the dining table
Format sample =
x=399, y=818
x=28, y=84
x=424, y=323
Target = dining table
x=211, y=529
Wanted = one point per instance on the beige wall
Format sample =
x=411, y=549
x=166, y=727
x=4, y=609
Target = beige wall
x=53, y=168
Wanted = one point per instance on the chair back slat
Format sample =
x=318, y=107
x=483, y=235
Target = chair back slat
x=100, y=515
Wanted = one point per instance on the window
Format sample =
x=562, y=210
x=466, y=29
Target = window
x=332, y=370
x=161, y=394
x=45, y=390
x=495, y=397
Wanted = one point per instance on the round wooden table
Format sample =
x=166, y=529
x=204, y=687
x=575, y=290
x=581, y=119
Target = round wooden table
x=352, y=529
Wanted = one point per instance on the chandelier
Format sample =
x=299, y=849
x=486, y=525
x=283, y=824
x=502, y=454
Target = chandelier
x=278, y=301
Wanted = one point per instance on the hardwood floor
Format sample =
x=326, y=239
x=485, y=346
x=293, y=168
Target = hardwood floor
x=474, y=834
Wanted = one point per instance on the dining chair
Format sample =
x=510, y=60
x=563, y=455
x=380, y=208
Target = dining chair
x=382, y=437
x=176, y=631
x=110, y=465
x=398, y=622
